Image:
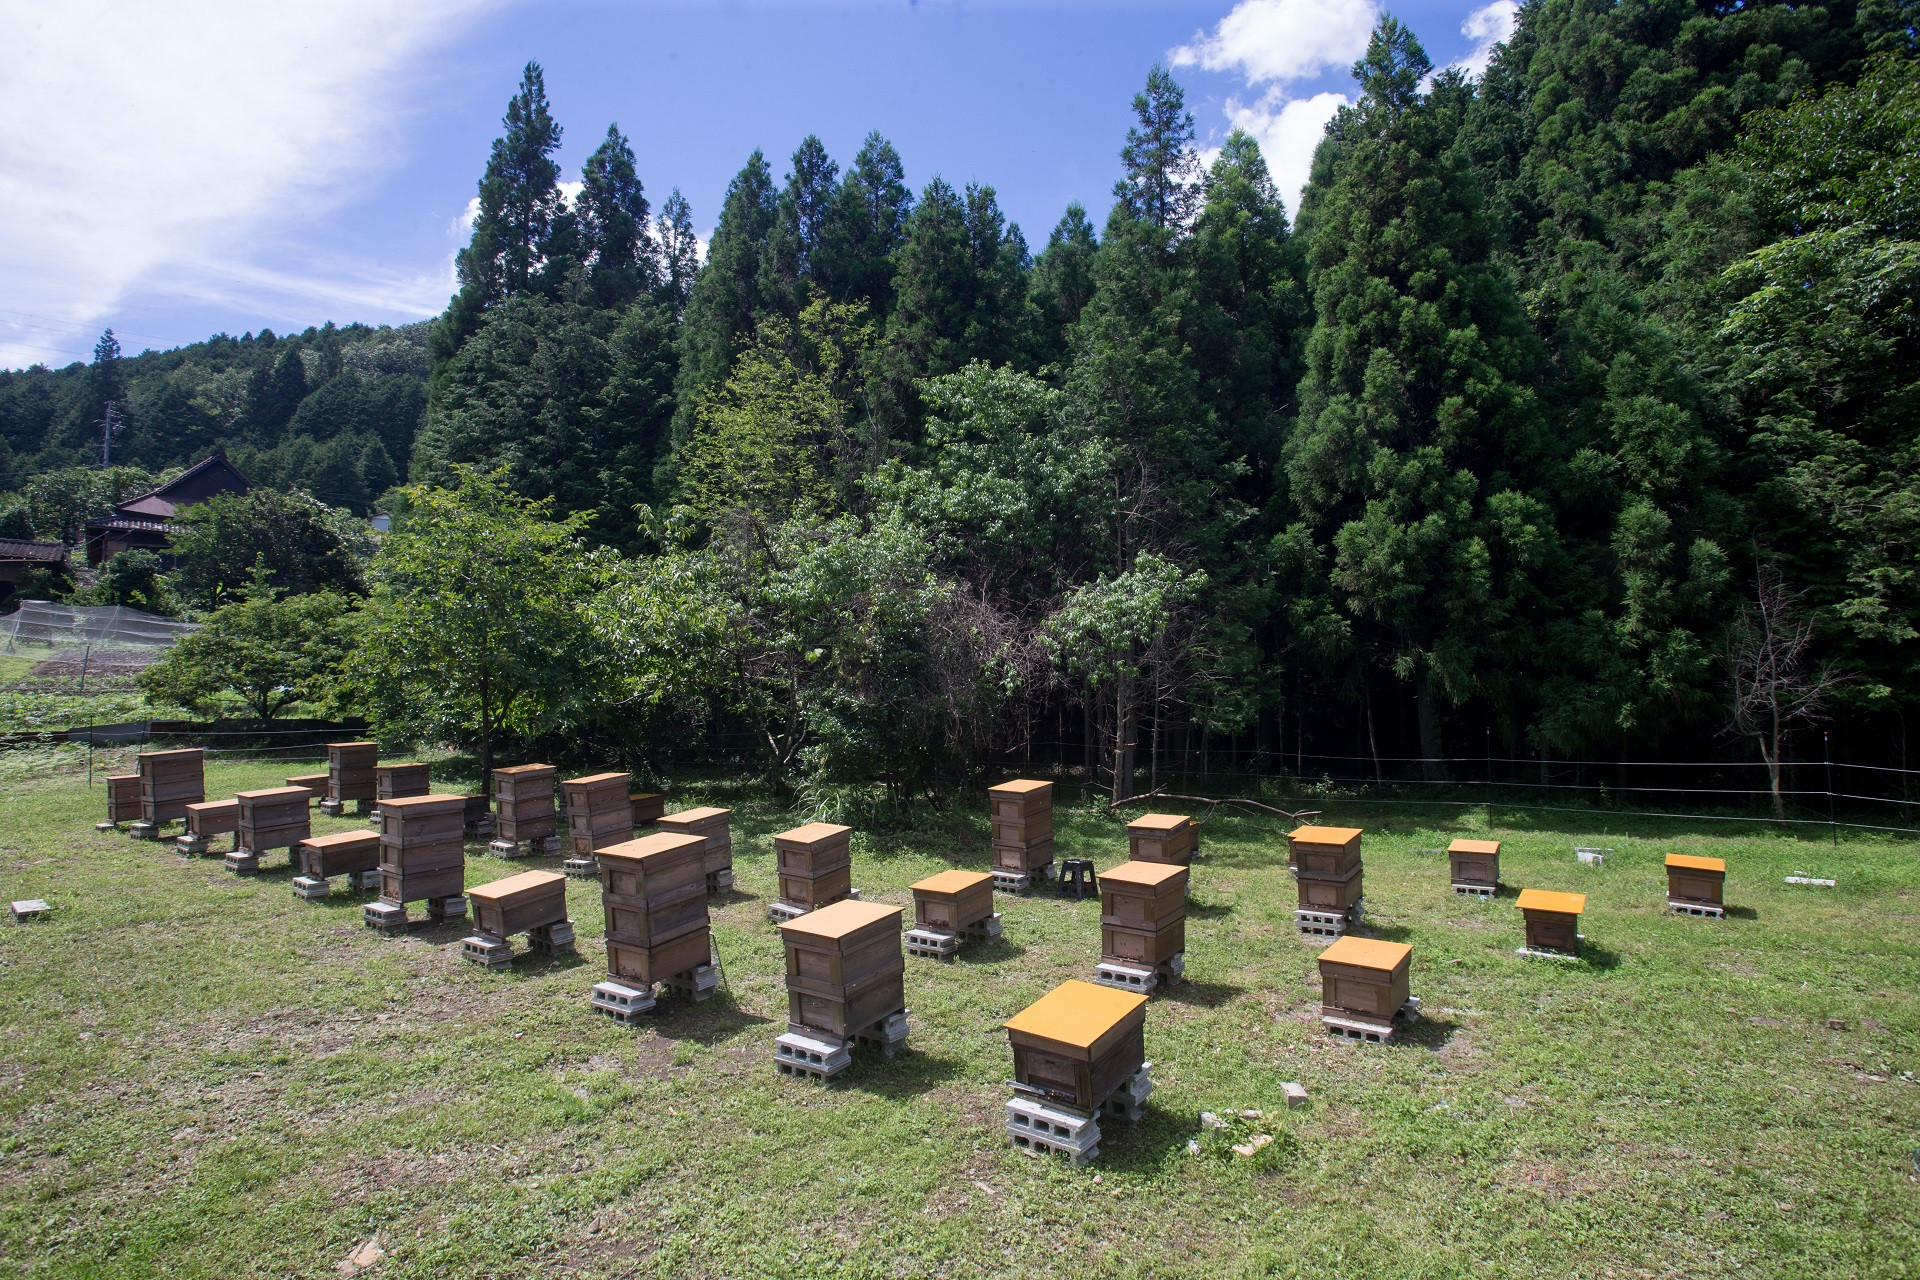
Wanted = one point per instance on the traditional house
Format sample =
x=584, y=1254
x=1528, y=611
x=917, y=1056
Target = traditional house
x=17, y=556
x=146, y=522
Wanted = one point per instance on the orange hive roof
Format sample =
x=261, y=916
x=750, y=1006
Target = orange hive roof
x=1547, y=900
x=1020, y=787
x=1075, y=1013
x=595, y=777
x=694, y=815
x=840, y=919
x=1474, y=846
x=1149, y=875
x=656, y=843
x=1367, y=953
x=813, y=833
x=952, y=881
x=1324, y=835
x=515, y=884
x=1687, y=862
x=1160, y=821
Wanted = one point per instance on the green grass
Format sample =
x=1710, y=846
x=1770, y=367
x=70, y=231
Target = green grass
x=204, y=1076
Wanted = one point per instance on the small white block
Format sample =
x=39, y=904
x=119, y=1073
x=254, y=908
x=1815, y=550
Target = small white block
x=1294, y=1093
x=29, y=908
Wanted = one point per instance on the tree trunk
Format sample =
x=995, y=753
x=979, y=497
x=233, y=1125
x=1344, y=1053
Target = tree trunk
x=1432, y=767
x=486, y=736
x=1373, y=744
x=1122, y=724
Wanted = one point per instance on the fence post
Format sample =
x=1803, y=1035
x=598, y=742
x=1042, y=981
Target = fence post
x=1826, y=743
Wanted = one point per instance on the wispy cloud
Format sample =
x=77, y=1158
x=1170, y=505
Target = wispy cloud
x=151, y=144
x=1273, y=45
x=1490, y=25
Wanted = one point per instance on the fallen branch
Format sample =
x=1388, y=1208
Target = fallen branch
x=1296, y=818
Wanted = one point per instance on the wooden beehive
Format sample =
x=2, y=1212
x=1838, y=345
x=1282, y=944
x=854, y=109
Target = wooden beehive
x=1475, y=862
x=517, y=903
x=1021, y=798
x=1331, y=895
x=845, y=968
x=272, y=818
x=397, y=781
x=1023, y=859
x=654, y=894
x=1692, y=879
x=339, y=854
x=713, y=826
x=1161, y=837
x=123, y=797
x=523, y=804
x=423, y=852
x=1143, y=912
x=1365, y=978
x=815, y=864
x=170, y=781
x=212, y=818
x=1021, y=812
x=1079, y=1042
x=598, y=811
x=647, y=807
x=1324, y=853
x=953, y=900
x=1553, y=919
x=314, y=784
x=350, y=770
x=475, y=809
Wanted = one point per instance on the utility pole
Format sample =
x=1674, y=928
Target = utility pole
x=112, y=421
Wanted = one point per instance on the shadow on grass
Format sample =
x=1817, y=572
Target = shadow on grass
x=1598, y=958
x=905, y=1076
x=1208, y=910
x=713, y=1022
x=998, y=951
x=1742, y=913
x=732, y=896
x=1428, y=1033
x=1208, y=995
x=1384, y=932
x=1144, y=1146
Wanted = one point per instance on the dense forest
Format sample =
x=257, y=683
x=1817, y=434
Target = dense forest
x=1573, y=413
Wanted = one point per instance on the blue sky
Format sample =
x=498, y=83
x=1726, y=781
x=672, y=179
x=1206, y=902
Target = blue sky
x=212, y=165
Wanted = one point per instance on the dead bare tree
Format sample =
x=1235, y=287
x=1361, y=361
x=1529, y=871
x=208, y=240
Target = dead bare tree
x=1775, y=683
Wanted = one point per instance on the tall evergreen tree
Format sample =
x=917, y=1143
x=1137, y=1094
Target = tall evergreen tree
x=518, y=203
x=1062, y=283
x=806, y=204
x=866, y=228
x=679, y=252
x=1162, y=168
x=612, y=215
x=725, y=304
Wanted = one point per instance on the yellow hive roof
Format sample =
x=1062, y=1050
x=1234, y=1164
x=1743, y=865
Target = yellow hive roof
x=1075, y=1013
x=1687, y=862
x=1324, y=835
x=1547, y=900
x=952, y=881
x=1474, y=846
x=515, y=884
x=839, y=919
x=813, y=833
x=1020, y=787
x=1367, y=953
x=1150, y=875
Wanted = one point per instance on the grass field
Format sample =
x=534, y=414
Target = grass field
x=204, y=1076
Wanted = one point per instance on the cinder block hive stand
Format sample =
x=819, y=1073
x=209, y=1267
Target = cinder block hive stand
x=949, y=907
x=1364, y=988
x=845, y=984
x=533, y=903
x=1079, y=1056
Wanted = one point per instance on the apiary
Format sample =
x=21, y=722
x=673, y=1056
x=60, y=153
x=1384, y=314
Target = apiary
x=948, y=907
x=206, y=820
x=815, y=866
x=1552, y=921
x=654, y=893
x=1695, y=885
x=1474, y=866
x=271, y=818
x=533, y=903
x=1143, y=925
x=1364, y=988
x=1079, y=1056
x=525, y=818
x=845, y=982
x=423, y=857
x=353, y=854
x=1021, y=812
x=1161, y=837
x=350, y=775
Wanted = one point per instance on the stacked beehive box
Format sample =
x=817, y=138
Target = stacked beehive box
x=1552, y=922
x=206, y=820
x=845, y=982
x=598, y=814
x=423, y=857
x=1696, y=886
x=1162, y=837
x=948, y=907
x=353, y=854
x=314, y=784
x=1326, y=862
x=1143, y=925
x=123, y=801
x=1079, y=1054
x=476, y=815
x=533, y=903
x=647, y=807
x=1475, y=867
x=169, y=782
x=524, y=817
x=270, y=818
x=1022, y=815
x=398, y=781
x=815, y=865
x=654, y=892
x=713, y=826
x=351, y=776
x=1363, y=988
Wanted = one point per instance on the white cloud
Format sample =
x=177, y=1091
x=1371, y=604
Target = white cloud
x=1283, y=40
x=1288, y=130
x=1490, y=25
x=171, y=144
